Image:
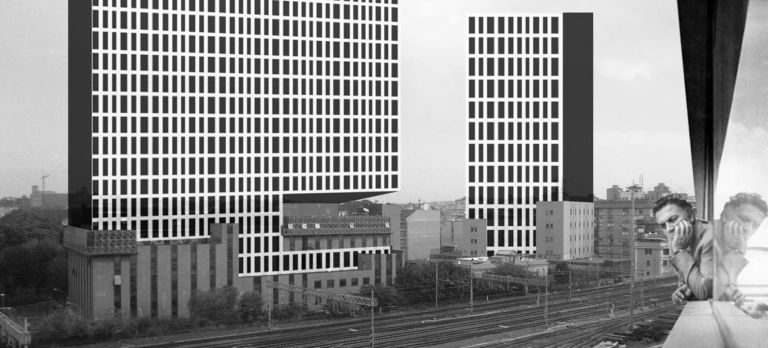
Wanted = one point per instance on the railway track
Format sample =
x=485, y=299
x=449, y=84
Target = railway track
x=404, y=330
x=585, y=335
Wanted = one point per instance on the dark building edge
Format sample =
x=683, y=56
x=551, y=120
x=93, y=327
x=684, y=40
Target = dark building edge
x=578, y=107
x=79, y=109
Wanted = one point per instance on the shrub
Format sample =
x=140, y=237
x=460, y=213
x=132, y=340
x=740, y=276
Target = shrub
x=62, y=324
x=216, y=305
x=250, y=307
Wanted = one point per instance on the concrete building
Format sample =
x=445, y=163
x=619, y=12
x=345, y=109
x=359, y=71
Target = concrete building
x=198, y=130
x=652, y=256
x=613, y=226
x=565, y=230
x=112, y=274
x=465, y=236
x=397, y=238
x=47, y=199
x=539, y=267
x=613, y=193
x=616, y=193
x=529, y=121
x=659, y=191
x=422, y=234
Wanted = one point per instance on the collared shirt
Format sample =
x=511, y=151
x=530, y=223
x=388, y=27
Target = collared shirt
x=694, y=265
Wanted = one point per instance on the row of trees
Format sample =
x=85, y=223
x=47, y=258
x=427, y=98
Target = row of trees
x=415, y=283
x=32, y=261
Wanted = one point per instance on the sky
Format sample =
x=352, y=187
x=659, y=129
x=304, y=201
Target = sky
x=640, y=114
x=744, y=166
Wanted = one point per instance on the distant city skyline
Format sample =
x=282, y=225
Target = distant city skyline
x=637, y=60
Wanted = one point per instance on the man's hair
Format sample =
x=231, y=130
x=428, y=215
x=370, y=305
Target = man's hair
x=676, y=199
x=743, y=198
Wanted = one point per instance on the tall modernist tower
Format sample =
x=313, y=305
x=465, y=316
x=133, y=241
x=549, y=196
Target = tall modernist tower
x=188, y=113
x=529, y=120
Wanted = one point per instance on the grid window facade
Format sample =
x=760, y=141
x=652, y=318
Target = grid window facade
x=211, y=111
x=514, y=117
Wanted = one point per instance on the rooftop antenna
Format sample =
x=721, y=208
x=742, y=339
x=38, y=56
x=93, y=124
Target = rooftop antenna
x=42, y=198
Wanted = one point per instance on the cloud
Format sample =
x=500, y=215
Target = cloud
x=622, y=70
x=743, y=167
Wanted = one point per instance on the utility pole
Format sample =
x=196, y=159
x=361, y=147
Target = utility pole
x=642, y=291
x=632, y=261
x=436, y=280
x=546, y=303
x=372, y=336
x=471, y=289
x=570, y=292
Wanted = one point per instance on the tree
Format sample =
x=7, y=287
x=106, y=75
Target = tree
x=22, y=225
x=250, y=307
x=513, y=270
x=561, y=273
x=215, y=305
x=386, y=295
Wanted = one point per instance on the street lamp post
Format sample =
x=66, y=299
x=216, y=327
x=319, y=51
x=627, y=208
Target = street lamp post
x=546, y=302
x=436, y=282
x=471, y=289
x=632, y=261
x=3, y=297
x=372, y=315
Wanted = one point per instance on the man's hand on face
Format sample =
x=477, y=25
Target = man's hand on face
x=735, y=236
x=680, y=235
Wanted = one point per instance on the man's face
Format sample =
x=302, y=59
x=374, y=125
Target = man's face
x=746, y=214
x=670, y=215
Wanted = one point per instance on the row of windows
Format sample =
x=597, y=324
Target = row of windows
x=357, y=10
x=303, y=261
x=525, y=130
x=185, y=227
x=514, y=109
x=222, y=66
x=492, y=153
x=579, y=250
x=514, y=45
x=506, y=238
x=183, y=223
x=581, y=212
x=232, y=85
x=516, y=88
x=519, y=25
x=579, y=237
x=331, y=242
x=514, y=174
x=146, y=187
x=623, y=211
x=330, y=283
x=484, y=195
x=181, y=206
x=517, y=67
x=112, y=43
x=307, y=166
x=502, y=216
x=314, y=27
x=247, y=106
x=172, y=145
x=222, y=125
